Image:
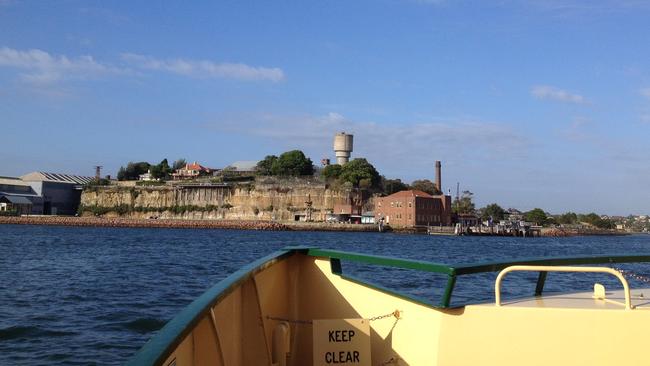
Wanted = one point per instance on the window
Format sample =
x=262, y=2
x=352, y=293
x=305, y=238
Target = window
x=410, y=204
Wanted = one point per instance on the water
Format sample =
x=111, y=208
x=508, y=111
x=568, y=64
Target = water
x=83, y=296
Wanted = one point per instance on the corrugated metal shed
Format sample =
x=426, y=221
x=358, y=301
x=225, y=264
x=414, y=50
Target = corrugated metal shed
x=56, y=177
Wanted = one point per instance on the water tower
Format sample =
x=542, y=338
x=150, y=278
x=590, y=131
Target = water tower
x=342, y=147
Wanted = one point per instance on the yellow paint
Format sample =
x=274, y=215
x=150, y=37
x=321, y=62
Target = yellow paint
x=567, y=329
x=613, y=272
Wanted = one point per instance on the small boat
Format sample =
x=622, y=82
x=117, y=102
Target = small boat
x=297, y=307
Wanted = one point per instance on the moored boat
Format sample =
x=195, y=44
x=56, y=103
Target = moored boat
x=298, y=307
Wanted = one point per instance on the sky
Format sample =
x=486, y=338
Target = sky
x=526, y=103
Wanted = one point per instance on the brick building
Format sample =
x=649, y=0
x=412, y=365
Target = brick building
x=413, y=208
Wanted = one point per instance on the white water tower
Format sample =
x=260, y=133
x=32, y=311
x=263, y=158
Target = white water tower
x=342, y=147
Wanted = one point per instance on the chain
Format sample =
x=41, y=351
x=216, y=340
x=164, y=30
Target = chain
x=397, y=314
x=633, y=275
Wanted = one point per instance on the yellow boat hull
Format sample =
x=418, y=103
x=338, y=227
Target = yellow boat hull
x=264, y=319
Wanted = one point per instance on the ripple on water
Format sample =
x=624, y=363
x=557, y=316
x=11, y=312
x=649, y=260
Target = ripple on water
x=83, y=296
x=23, y=332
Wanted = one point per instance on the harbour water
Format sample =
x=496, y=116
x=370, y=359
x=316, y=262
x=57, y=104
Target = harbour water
x=83, y=296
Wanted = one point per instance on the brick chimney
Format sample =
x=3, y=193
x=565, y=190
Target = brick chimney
x=438, y=176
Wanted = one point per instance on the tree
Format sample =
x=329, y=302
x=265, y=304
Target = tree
x=568, y=218
x=464, y=204
x=132, y=170
x=494, y=211
x=536, y=215
x=390, y=186
x=178, y=164
x=121, y=173
x=161, y=171
x=359, y=169
x=425, y=185
x=595, y=220
x=265, y=166
x=292, y=163
x=331, y=171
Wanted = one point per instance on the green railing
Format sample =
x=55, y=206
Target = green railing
x=453, y=271
x=160, y=346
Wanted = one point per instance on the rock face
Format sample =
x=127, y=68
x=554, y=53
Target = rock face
x=264, y=200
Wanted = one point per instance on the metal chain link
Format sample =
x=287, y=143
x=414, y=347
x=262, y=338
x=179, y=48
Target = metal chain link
x=633, y=275
x=397, y=314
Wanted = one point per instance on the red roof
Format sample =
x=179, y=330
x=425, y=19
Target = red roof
x=195, y=166
x=411, y=193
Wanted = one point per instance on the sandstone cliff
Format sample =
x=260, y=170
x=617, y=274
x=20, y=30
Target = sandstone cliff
x=266, y=199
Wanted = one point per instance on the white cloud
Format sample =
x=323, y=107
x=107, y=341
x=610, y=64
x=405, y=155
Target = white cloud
x=553, y=93
x=205, y=69
x=43, y=68
x=395, y=148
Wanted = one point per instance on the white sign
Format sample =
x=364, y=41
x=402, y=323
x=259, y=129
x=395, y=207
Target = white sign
x=341, y=342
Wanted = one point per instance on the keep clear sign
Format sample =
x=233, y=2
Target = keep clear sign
x=341, y=342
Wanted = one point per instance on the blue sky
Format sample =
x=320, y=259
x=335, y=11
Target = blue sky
x=527, y=103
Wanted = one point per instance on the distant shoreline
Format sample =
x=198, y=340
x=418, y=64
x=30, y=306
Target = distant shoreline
x=183, y=223
x=262, y=225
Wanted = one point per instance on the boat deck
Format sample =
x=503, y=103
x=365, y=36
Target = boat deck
x=614, y=299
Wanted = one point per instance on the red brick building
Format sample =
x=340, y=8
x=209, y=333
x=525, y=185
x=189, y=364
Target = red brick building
x=413, y=208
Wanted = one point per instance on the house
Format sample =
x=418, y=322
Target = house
x=147, y=177
x=413, y=208
x=191, y=171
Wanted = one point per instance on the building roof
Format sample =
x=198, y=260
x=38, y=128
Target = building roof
x=11, y=181
x=17, y=200
x=57, y=177
x=195, y=166
x=410, y=193
x=244, y=165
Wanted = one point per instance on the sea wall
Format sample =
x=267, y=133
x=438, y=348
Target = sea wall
x=262, y=200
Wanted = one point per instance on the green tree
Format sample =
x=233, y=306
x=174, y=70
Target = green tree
x=595, y=220
x=568, y=218
x=161, y=171
x=425, y=185
x=178, y=164
x=537, y=216
x=265, y=166
x=293, y=163
x=390, y=186
x=331, y=171
x=121, y=173
x=494, y=211
x=359, y=169
x=464, y=204
x=132, y=170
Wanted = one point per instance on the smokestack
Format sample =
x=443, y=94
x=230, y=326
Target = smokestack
x=438, y=175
